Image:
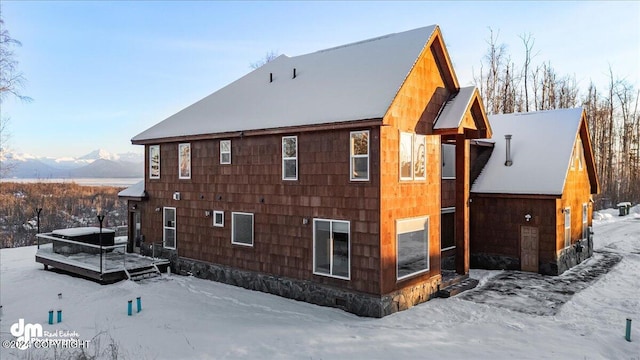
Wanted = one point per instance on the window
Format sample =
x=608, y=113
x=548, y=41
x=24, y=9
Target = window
x=184, y=161
x=289, y=158
x=412, y=246
x=359, y=155
x=242, y=229
x=419, y=157
x=154, y=162
x=218, y=218
x=447, y=229
x=331, y=248
x=585, y=221
x=169, y=225
x=448, y=161
x=406, y=156
x=579, y=154
x=567, y=227
x=225, y=151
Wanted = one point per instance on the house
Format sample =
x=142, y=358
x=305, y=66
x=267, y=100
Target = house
x=532, y=202
x=319, y=177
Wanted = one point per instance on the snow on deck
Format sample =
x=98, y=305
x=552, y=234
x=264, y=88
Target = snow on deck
x=81, y=231
x=184, y=317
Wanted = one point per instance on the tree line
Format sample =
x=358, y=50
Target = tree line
x=63, y=206
x=612, y=113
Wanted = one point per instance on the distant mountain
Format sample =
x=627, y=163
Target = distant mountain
x=96, y=164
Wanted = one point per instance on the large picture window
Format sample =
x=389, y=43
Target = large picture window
x=448, y=228
x=406, y=156
x=169, y=228
x=567, y=227
x=225, y=151
x=359, y=144
x=289, y=158
x=184, y=161
x=412, y=236
x=448, y=161
x=154, y=162
x=331, y=248
x=242, y=229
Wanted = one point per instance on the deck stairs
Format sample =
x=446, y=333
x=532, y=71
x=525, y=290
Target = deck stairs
x=143, y=273
x=453, y=284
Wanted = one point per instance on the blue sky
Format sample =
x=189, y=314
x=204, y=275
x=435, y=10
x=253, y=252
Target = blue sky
x=101, y=72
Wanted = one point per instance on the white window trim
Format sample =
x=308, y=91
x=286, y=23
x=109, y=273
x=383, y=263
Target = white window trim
x=159, y=168
x=233, y=227
x=442, y=146
x=567, y=226
x=218, y=212
x=289, y=158
x=174, y=228
x=406, y=178
x=331, y=221
x=447, y=210
x=180, y=161
x=222, y=162
x=585, y=221
x=354, y=156
x=400, y=221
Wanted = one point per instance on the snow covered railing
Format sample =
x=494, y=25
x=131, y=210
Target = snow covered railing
x=113, y=257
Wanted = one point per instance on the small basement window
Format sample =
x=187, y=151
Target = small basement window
x=218, y=218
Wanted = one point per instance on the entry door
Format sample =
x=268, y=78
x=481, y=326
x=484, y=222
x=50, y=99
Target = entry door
x=529, y=248
x=135, y=235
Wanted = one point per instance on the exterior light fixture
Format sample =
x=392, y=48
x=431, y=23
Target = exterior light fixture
x=527, y=217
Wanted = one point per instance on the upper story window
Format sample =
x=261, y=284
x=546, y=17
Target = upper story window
x=579, y=153
x=413, y=156
x=184, y=161
x=225, y=151
x=154, y=162
x=448, y=161
x=419, y=157
x=359, y=153
x=406, y=156
x=289, y=158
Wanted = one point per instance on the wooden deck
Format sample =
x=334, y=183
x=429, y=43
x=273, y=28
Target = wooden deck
x=116, y=263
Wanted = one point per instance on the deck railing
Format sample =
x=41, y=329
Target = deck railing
x=101, y=258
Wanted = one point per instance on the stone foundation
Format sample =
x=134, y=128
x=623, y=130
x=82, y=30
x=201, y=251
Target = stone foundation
x=494, y=262
x=569, y=257
x=354, y=302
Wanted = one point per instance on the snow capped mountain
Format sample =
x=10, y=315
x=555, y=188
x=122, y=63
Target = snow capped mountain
x=96, y=164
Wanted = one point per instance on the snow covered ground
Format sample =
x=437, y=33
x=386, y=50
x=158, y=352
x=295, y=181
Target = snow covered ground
x=189, y=318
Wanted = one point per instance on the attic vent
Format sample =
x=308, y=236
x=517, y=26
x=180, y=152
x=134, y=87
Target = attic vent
x=270, y=77
x=508, y=161
x=294, y=73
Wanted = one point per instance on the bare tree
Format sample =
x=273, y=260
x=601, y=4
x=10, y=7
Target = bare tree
x=269, y=56
x=11, y=79
x=528, y=43
x=11, y=83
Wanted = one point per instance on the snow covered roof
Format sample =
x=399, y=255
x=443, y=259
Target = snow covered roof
x=135, y=191
x=541, y=148
x=80, y=231
x=357, y=81
x=454, y=110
